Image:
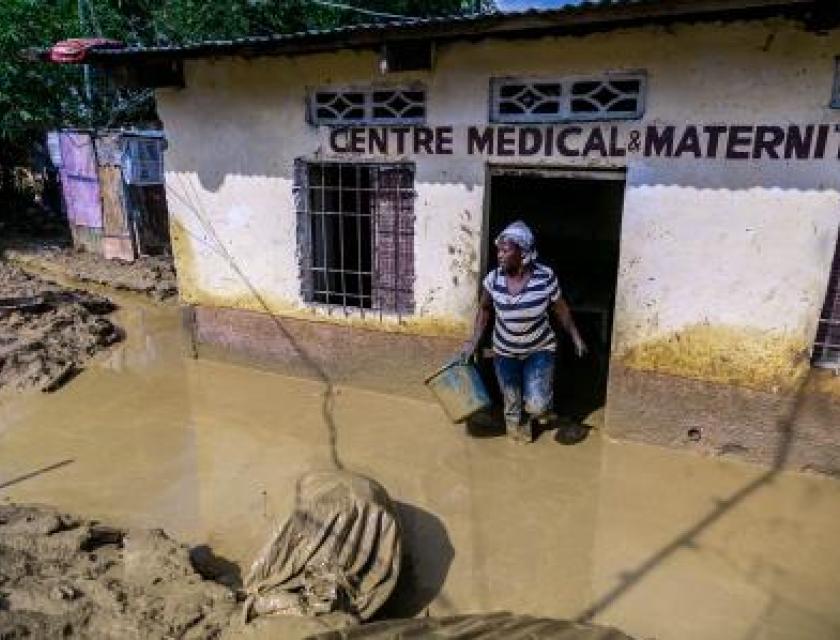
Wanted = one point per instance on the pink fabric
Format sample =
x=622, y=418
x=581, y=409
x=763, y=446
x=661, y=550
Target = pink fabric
x=76, y=49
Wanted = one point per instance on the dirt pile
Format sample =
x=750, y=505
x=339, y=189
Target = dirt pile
x=47, y=332
x=150, y=275
x=62, y=577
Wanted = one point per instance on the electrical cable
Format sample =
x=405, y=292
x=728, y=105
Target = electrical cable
x=368, y=12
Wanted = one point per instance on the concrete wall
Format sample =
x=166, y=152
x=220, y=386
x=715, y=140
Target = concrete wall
x=724, y=263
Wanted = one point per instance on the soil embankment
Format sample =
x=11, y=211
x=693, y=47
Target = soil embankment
x=47, y=332
x=64, y=577
x=150, y=275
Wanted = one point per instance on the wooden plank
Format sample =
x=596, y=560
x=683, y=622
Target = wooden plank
x=114, y=212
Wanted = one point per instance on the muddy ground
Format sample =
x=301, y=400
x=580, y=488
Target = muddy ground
x=64, y=577
x=34, y=237
x=150, y=275
x=48, y=332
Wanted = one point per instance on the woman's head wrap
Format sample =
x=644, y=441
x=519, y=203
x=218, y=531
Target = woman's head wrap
x=519, y=234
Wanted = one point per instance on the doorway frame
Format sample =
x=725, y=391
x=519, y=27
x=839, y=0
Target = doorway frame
x=580, y=173
x=615, y=174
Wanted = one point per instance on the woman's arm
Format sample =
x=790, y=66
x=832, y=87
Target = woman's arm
x=482, y=318
x=564, y=317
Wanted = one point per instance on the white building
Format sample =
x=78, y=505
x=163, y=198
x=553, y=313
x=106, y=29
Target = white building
x=334, y=196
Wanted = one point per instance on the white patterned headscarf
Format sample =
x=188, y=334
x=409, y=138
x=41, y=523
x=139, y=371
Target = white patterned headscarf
x=519, y=234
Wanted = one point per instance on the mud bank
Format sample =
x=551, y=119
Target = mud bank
x=47, y=332
x=64, y=577
x=151, y=275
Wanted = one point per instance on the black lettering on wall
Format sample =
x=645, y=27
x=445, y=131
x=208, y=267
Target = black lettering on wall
x=530, y=141
x=822, y=137
x=549, y=141
x=714, y=132
x=357, y=140
x=798, y=145
x=739, y=136
x=595, y=142
x=479, y=141
x=659, y=142
x=506, y=141
x=338, y=140
x=562, y=147
x=689, y=143
x=443, y=141
x=377, y=140
x=615, y=150
x=767, y=140
x=423, y=137
x=401, y=133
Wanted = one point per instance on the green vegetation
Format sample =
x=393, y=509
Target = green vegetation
x=36, y=97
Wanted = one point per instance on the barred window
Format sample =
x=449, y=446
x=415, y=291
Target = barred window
x=356, y=235
x=610, y=97
x=827, y=344
x=143, y=160
x=406, y=105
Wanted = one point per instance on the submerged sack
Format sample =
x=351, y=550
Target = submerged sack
x=339, y=551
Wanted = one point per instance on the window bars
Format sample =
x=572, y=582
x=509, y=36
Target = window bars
x=827, y=344
x=612, y=97
x=356, y=235
x=370, y=105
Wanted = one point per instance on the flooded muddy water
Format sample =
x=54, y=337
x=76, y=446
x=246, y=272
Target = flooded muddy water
x=659, y=543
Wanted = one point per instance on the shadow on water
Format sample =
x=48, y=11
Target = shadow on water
x=688, y=538
x=427, y=556
x=37, y=472
x=193, y=205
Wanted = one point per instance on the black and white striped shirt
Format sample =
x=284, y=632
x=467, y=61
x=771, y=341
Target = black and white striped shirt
x=522, y=325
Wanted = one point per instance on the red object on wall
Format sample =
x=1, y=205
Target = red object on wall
x=75, y=50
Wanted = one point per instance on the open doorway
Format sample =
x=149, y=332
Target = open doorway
x=576, y=218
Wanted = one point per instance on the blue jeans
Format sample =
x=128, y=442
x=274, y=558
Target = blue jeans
x=527, y=380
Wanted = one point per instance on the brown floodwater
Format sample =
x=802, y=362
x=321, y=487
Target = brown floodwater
x=662, y=544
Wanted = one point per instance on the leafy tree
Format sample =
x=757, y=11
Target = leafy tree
x=36, y=97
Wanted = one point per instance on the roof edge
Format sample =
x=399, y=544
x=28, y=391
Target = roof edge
x=589, y=16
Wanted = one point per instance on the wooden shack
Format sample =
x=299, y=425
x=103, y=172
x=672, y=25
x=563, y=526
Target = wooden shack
x=112, y=186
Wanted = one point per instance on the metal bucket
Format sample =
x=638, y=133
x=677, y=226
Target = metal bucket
x=459, y=389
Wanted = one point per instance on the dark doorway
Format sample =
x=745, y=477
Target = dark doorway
x=576, y=218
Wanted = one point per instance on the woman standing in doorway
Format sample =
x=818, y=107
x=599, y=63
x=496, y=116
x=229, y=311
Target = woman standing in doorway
x=519, y=293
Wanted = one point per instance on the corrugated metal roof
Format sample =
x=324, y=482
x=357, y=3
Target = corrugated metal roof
x=581, y=17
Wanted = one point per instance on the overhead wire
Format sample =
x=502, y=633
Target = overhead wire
x=369, y=12
x=192, y=204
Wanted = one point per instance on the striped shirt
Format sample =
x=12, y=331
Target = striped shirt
x=522, y=325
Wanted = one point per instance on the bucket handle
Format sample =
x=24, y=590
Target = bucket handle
x=457, y=360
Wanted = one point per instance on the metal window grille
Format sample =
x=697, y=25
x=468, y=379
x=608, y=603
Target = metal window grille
x=827, y=344
x=356, y=235
x=406, y=105
x=612, y=97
